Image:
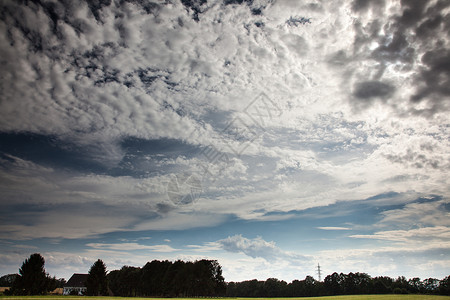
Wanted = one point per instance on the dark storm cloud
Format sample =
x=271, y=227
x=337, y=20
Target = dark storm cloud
x=418, y=160
x=49, y=151
x=60, y=219
x=429, y=25
x=372, y=89
x=436, y=77
x=168, y=147
x=141, y=158
x=359, y=5
x=367, y=92
x=419, y=34
x=146, y=158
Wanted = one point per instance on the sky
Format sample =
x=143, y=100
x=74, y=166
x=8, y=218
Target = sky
x=270, y=135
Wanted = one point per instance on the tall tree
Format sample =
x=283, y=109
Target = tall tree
x=97, y=282
x=32, y=279
x=208, y=279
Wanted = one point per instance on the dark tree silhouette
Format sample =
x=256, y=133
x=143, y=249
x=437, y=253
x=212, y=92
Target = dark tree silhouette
x=444, y=286
x=338, y=284
x=32, y=279
x=8, y=280
x=334, y=283
x=97, y=282
x=169, y=279
x=125, y=282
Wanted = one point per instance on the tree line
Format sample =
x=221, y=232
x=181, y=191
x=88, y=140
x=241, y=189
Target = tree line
x=169, y=279
x=203, y=278
x=338, y=284
x=154, y=279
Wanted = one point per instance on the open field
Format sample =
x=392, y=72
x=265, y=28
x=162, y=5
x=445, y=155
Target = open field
x=352, y=297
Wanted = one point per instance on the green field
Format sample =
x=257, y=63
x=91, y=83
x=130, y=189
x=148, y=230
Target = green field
x=353, y=297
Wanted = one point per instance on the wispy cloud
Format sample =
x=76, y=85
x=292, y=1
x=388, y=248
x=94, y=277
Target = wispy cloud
x=206, y=247
x=131, y=247
x=334, y=228
x=440, y=235
x=432, y=212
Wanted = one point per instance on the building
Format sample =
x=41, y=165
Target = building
x=76, y=284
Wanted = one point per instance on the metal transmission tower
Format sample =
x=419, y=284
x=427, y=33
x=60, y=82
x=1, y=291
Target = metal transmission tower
x=319, y=273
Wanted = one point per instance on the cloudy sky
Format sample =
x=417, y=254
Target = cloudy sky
x=271, y=135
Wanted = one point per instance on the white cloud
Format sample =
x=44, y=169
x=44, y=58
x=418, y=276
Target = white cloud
x=175, y=220
x=192, y=56
x=258, y=247
x=334, y=228
x=209, y=246
x=431, y=213
x=438, y=236
x=238, y=268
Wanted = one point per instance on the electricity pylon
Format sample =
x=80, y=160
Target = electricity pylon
x=318, y=272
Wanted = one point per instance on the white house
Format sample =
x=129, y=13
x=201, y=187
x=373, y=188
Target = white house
x=76, y=283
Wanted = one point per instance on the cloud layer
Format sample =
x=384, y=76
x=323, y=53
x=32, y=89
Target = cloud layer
x=120, y=117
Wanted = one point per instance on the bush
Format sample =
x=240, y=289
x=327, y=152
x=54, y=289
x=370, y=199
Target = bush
x=400, y=291
x=74, y=292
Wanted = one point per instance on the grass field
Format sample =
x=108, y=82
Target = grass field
x=353, y=297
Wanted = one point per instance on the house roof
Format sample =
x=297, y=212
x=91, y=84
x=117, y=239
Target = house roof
x=77, y=280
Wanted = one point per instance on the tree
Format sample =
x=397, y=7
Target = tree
x=114, y=282
x=124, y=282
x=207, y=278
x=352, y=283
x=8, y=280
x=431, y=285
x=311, y=286
x=415, y=285
x=379, y=286
x=361, y=282
x=97, y=282
x=60, y=282
x=275, y=288
x=175, y=279
x=444, y=286
x=152, y=278
x=334, y=283
x=382, y=285
x=217, y=277
x=32, y=279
